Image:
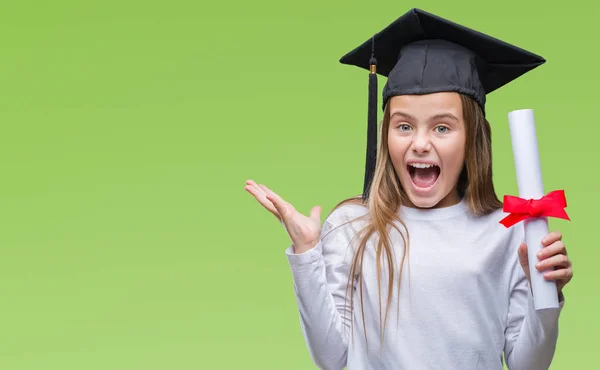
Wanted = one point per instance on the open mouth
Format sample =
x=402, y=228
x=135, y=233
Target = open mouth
x=423, y=175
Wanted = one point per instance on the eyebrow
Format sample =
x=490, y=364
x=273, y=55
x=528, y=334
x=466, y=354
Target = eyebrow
x=437, y=116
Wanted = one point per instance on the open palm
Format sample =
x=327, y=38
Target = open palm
x=304, y=231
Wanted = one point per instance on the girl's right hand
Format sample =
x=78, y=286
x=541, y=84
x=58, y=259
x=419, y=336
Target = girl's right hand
x=304, y=231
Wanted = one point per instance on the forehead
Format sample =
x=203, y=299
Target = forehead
x=427, y=104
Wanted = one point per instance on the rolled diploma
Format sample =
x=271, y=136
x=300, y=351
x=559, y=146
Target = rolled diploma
x=529, y=180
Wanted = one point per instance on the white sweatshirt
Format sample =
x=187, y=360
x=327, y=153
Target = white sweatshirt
x=464, y=299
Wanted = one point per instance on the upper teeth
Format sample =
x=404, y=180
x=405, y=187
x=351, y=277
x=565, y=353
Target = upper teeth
x=422, y=165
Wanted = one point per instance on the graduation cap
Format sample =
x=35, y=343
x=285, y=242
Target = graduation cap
x=421, y=53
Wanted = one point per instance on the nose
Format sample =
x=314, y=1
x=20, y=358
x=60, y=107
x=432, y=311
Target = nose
x=421, y=143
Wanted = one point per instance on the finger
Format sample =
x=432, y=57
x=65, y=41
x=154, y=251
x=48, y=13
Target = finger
x=251, y=183
x=280, y=205
x=523, y=258
x=551, y=238
x=271, y=194
x=563, y=274
x=269, y=191
x=258, y=188
x=557, y=247
x=265, y=189
x=262, y=199
x=283, y=208
x=258, y=191
x=315, y=213
x=559, y=260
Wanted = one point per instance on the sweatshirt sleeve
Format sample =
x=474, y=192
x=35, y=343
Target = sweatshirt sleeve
x=530, y=336
x=320, y=278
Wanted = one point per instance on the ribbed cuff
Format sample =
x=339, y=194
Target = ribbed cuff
x=304, y=258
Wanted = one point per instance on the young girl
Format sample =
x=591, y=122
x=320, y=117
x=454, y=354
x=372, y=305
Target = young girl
x=418, y=273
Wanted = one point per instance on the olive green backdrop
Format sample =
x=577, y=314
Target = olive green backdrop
x=130, y=127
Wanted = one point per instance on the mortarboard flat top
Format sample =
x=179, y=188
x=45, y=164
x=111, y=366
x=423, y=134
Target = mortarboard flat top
x=421, y=52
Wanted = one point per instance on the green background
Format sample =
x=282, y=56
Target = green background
x=129, y=129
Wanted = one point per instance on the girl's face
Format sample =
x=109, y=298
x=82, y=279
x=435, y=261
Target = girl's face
x=426, y=141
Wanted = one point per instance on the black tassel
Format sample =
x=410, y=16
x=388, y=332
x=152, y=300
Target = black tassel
x=372, y=125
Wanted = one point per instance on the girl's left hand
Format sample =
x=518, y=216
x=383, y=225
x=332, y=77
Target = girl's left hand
x=553, y=255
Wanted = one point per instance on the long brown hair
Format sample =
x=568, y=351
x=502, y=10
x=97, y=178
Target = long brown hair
x=387, y=195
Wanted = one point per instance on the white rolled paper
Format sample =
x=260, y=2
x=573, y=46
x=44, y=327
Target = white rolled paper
x=529, y=179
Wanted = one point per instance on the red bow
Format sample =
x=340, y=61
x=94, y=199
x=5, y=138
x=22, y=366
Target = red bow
x=550, y=205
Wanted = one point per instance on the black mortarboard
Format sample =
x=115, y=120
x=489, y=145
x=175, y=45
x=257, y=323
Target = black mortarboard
x=421, y=53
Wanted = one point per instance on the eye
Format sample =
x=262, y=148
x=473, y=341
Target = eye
x=442, y=129
x=404, y=127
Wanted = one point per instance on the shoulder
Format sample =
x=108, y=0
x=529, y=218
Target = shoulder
x=346, y=220
x=490, y=225
x=346, y=212
x=493, y=217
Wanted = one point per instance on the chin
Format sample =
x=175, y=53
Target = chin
x=421, y=202
x=425, y=197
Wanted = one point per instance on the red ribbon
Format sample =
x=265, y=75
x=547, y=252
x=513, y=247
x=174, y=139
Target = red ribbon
x=550, y=205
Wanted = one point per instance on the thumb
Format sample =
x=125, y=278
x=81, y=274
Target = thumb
x=315, y=213
x=523, y=258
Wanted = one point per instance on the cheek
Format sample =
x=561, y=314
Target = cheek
x=454, y=156
x=397, y=149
